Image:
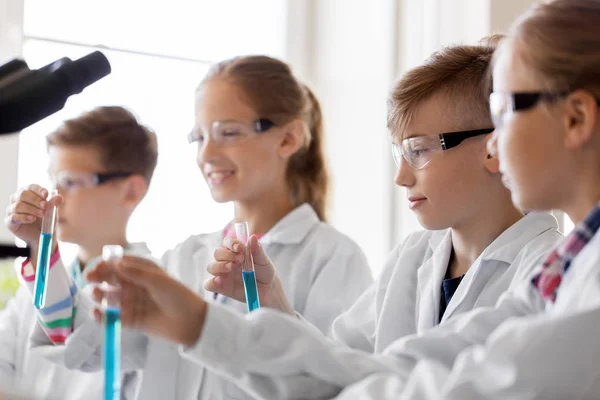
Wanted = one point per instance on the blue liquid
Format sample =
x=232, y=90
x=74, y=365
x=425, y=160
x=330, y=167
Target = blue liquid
x=251, y=291
x=42, y=269
x=112, y=354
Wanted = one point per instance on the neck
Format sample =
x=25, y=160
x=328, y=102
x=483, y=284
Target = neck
x=89, y=251
x=581, y=200
x=470, y=239
x=262, y=215
x=578, y=197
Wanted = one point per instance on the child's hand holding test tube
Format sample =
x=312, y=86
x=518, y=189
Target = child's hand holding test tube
x=248, y=274
x=25, y=213
x=44, y=252
x=31, y=217
x=228, y=280
x=156, y=303
x=150, y=299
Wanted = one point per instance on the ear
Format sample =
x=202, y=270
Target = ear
x=294, y=137
x=581, y=118
x=136, y=188
x=491, y=162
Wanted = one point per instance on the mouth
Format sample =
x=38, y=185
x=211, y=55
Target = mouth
x=414, y=202
x=219, y=177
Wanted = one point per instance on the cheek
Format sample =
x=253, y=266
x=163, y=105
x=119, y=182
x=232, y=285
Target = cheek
x=509, y=149
x=524, y=149
x=257, y=163
x=456, y=174
x=454, y=185
x=87, y=206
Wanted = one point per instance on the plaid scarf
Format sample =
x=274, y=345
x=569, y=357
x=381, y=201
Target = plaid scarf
x=559, y=261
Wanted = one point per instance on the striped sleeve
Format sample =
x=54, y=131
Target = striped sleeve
x=56, y=318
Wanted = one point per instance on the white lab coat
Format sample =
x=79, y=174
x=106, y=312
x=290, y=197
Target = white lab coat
x=278, y=363
x=523, y=348
x=405, y=299
x=322, y=271
x=27, y=369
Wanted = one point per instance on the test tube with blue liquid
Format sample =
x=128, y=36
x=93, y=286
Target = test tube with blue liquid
x=44, y=253
x=112, y=328
x=241, y=231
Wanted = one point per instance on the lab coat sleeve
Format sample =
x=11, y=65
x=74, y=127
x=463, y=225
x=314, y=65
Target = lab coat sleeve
x=356, y=328
x=56, y=317
x=10, y=321
x=531, y=358
x=541, y=356
x=271, y=355
x=339, y=283
x=446, y=341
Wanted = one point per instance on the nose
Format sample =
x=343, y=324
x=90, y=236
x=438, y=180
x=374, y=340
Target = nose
x=405, y=175
x=207, y=151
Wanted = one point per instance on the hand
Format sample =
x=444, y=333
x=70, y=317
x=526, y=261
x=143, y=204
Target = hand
x=227, y=271
x=150, y=300
x=25, y=212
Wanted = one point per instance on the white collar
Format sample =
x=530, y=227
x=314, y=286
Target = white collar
x=503, y=248
x=294, y=227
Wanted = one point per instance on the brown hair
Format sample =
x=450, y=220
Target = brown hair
x=562, y=38
x=276, y=94
x=123, y=143
x=460, y=72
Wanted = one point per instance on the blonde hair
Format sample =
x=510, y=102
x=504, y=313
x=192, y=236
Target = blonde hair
x=276, y=94
x=458, y=71
x=562, y=38
x=123, y=143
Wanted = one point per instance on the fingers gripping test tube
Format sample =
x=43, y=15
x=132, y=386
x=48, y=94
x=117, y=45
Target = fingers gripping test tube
x=252, y=300
x=112, y=328
x=44, y=254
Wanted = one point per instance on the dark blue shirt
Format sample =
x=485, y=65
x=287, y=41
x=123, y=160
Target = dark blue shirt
x=449, y=286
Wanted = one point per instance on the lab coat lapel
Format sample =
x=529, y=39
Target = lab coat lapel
x=430, y=279
x=470, y=288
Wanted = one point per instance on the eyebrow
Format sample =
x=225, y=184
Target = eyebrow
x=220, y=121
x=217, y=121
x=417, y=134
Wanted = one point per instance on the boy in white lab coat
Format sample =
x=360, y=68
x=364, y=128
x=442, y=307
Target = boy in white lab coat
x=100, y=183
x=477, y=246
x=259, y=134
x=540, y=341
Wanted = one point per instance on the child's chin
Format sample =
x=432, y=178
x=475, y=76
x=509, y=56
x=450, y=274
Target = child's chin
x=221, y=197
x=431, y=223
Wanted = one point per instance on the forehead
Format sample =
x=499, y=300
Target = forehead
x=220, y=100
x=74, y=158
x=437, y=114
x=511, y=72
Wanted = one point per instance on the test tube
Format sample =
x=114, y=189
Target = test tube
x=241, y=231
x=112, y=328
x=44, y=253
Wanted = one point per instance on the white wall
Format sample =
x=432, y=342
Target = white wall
x=11, y=12
x=349, y=57
x=504, y=12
